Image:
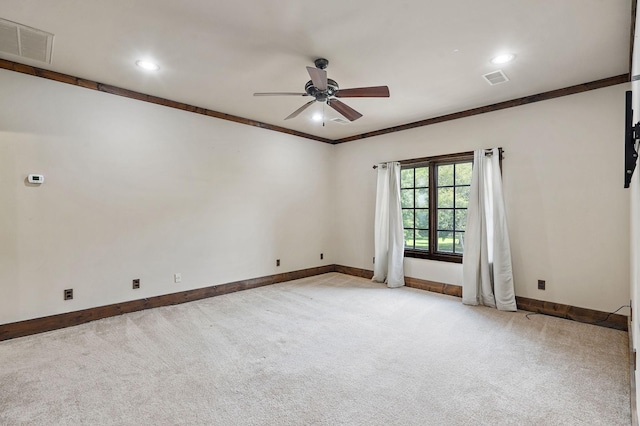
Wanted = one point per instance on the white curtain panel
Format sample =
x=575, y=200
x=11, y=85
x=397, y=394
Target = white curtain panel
x=389, y=234
x=487, y=273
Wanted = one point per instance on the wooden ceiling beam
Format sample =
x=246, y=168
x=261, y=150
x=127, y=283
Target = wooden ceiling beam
x=106, y=88
x=572, y=90
x=114, y=90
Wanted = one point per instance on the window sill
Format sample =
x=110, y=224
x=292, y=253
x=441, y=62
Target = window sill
x=443, y=257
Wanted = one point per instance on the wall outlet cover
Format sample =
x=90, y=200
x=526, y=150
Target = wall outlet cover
x=68, y=294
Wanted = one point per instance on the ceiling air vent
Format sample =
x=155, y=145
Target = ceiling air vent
x=496, y=77
x=27, y=42
x=339, y=120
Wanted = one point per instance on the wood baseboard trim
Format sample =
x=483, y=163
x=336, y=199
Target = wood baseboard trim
x=356, y=272
x=432, y=286
x=435, y=287
x=588, y=316
x=54, y=322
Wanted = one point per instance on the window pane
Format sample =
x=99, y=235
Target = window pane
x=445, y=242
x=408, y=238
x=445, y=175
x=422, y=218
x=445, y=219
x=422, y=197
x=407, y=218
x=445, y=197
x=461, y=219
x=449, y=197
x=422, y=239
x=406, y=196
x=463, y=173
x=406, y=178
x=462, y=196
x=422, y=177
x=459, y=242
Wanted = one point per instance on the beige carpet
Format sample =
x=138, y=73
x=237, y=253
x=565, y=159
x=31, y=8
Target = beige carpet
x=327, y=350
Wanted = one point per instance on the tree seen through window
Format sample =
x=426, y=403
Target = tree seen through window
x=434, y=199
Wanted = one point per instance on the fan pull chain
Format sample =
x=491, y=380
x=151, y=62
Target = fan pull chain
x=323, y=114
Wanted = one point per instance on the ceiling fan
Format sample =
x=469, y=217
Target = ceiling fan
x=325, y=90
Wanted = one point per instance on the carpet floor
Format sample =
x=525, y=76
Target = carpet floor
x=325, y=350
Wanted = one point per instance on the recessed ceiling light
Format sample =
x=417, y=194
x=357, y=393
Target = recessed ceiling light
x=503, y=59
x=147, y=65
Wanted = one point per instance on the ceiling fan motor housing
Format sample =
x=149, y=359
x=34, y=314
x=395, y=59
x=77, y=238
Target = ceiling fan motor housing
x=322, y=95
x=321, y=63
x=324, y=89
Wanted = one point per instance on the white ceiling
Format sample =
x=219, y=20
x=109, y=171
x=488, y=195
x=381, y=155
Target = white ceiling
x=431, y=53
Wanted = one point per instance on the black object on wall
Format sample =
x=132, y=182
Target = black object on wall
x=631, y=135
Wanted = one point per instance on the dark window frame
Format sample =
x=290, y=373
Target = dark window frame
x=432, y=163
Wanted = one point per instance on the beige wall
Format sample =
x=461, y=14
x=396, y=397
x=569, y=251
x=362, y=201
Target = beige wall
x=134, y=190
x=568, y=213
x=635, y=211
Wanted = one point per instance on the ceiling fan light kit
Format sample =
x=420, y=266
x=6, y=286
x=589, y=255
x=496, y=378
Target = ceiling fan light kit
x=325, y=90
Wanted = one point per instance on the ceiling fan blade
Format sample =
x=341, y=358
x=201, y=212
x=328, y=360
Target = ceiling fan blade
x=281, y=94
x=319, y=77
x=348, y=112
x=295, y=113
x=364, y=92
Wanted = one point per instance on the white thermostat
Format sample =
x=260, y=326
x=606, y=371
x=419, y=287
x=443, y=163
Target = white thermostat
x=36, y=178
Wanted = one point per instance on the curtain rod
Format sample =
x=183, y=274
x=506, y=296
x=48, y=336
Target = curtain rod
x=487, y=152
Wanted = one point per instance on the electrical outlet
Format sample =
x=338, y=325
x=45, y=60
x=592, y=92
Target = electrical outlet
x=136, y=283
x=374, y=259
x=277, y=262
x=177, y=277
x=68, y=294
x=542, y=284
x=321, y=256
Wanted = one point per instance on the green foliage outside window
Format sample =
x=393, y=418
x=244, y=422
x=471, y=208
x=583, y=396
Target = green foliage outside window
x=446, y=195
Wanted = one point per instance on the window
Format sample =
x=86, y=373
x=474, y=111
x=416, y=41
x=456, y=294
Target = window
x=435, y=196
